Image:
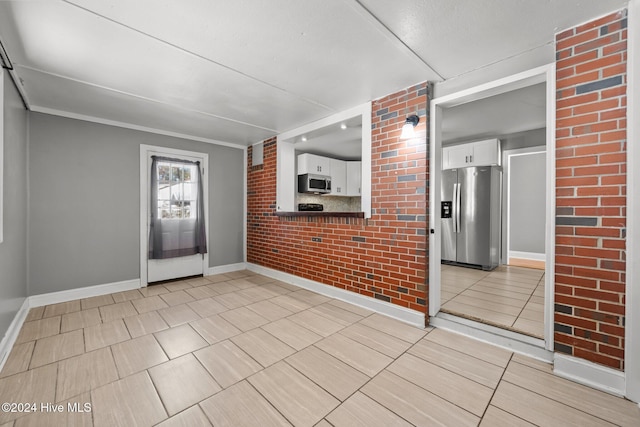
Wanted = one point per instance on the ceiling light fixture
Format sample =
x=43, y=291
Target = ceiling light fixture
x=303, y=139
x=343, y=126
x=408, y=128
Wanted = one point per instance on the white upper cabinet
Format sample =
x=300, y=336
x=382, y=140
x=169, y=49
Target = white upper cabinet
x=310, y=163
x=354, y=178
x=479, y=153
x=338, y=177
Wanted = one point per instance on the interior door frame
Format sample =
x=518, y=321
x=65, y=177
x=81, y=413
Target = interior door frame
x=545, y=73
x=146, y=151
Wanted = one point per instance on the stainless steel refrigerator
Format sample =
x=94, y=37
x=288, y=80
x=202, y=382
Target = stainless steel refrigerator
x=471, y=216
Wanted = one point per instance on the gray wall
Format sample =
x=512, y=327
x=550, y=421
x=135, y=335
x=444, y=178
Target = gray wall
x=527, y=192
x=13, y=249
x=85, y=199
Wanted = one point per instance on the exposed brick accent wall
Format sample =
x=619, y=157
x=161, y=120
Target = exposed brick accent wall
x=383, y=257
x=591, y=190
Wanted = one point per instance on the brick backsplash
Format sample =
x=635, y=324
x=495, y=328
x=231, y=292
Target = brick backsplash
x=591, y=190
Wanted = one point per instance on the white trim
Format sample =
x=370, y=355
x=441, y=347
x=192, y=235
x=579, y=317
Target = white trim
x=13, y=331
x=412, y=317
x=590, y=374
x=93, y=119
x=145, y=152
x=220, y=269
x=534, y=256
x=632, y=309
x=85, y=292
x=509, y=340
x=545, y=73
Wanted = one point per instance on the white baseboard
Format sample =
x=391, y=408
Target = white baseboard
x=528, y=255
x=509, y=340
x=590, y=374
x=86, y=292
x=226, y=268
x=12, y=332
x=403, y=314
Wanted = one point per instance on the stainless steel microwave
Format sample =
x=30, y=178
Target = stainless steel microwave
x=310, y=183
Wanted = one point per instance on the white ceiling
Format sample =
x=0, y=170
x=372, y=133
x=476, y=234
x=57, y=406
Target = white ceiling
x=242, y=71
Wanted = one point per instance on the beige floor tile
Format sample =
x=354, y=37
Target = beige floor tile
x=281, y=288
x=201, y=292
x=178, y=314
x=57, y=347
x=177, y=286
x=187, y=418
x=127, y=295
x=242, y=283
x=529, y=327
x=37, y=329
x=257, y=293
x=259, y=279
x=394, y=327
x=309, y=297
x=153, y=290
x=83, y=373
x=207, y=307
x=242, y=406
x=463, y=364
x=532, y=363
x=176, y=298
x=61, y=308
x=480, y=350
x=540, y=410
x=292, y=333
x=489, y=305
x=262, y=346
x=97, y=301
x=415, y=404
x=363, y=312
x=198, y=281
x=35, y=385
x=222, y=287
x=182, y=382
x=504, y=291
x=180, y=340
x=292, y=304
x=299, y=399
x=117, y=311
x=316, y=323
x=146, y=323
x=244, y=319
x=105, y=334
x=336, y=314
x=363, y=358
x=131, y=401
x=338, y=378
x=269, y=310
x=80, y=319
x=233, y=300
x=227, y=363
x=585, y=399
x=380, y=341
x=495, y=417
x=216, y=278
x=19, y=359
x=35, y=313
x=323, y=423
x=74, y=413
x=137, y=355
x=215, y=329
x=360, y=410
x=147, y=304
x=455, y=388
x=483, y=296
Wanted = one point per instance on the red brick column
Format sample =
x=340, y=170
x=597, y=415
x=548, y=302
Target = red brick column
x=383, y=257
x=591, y=190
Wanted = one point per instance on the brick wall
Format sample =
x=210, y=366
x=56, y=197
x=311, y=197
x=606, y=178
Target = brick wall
x=591, y=190
x=383, y=257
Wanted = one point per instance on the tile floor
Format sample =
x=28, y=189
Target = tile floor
x=508, y=297
x=244, y=350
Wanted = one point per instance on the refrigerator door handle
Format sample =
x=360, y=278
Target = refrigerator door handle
x=458, y=196
x=454, y=208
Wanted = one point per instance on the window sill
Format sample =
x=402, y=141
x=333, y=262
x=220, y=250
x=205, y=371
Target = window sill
x=321, y=214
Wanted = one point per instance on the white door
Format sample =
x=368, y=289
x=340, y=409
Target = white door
x=177, y=198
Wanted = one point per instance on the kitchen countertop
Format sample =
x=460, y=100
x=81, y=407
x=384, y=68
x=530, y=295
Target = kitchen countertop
x=323, y=214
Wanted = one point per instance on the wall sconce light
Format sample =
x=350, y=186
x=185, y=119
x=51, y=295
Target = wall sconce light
x=409, y=124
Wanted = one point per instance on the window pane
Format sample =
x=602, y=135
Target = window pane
x=176, y=192
x=188, y=173
x=190, y=191
x=164, y=191
x=176, y=173
x=187, y=211
x=163, y=172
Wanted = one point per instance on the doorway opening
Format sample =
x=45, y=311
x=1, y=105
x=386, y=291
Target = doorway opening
x=492, y=271
x=173, y=203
